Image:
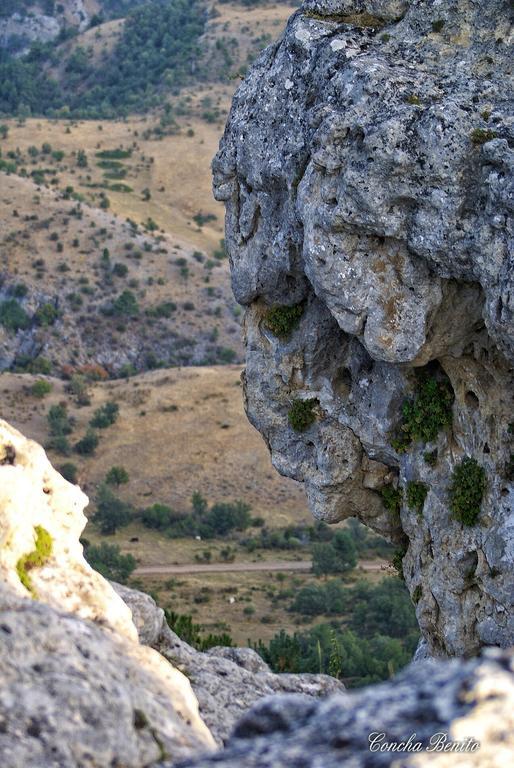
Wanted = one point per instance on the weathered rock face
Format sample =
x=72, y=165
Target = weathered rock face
x=463, y=702
x=226, y=681
x=35, y=497
x=366, y=169
x=76, y=687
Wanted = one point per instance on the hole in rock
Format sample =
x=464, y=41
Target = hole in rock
x=472, y=401
x=9, y=454
x=343, y=382
x=486, y=448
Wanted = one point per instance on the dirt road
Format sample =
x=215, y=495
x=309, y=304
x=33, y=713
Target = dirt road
x=271, y=565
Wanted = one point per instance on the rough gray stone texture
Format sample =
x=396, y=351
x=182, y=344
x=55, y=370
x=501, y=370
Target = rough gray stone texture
x=226, y=681
x=146, y=615
x=76, y=686
x=355, y=181
x=73, y=694
x=463, y=700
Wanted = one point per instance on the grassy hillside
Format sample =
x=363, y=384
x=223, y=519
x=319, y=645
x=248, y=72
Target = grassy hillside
x=116, y=69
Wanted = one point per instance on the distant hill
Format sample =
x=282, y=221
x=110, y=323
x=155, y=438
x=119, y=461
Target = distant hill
x=108, y=58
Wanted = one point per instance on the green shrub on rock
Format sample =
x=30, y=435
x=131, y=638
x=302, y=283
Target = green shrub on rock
x=301, y=414
x=467, y=490
x=282, y=321
x=392, y=498
x=424, y=416
x=416, y=495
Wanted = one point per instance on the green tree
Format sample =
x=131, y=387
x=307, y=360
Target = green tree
x=41, y=388
x=105, y=416
x=199, y=503
x=111, y=512
x=70, y=472
x=88, y=444
x=82, y=159
x=108, y=560
x=157, y=516
x=117, y=476
x=346, y=551
x=59, y=421
x=12, y=316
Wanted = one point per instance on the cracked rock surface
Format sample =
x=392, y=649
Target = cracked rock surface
x=226, y=681
x=366, y=169
x=432, y=703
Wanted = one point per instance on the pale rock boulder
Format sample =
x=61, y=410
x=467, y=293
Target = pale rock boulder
x=76, y=687
x=33, y=493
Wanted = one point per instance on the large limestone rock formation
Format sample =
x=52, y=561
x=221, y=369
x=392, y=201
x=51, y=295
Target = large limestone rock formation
x=366, y=169
x=432, y=705
x=76, y=687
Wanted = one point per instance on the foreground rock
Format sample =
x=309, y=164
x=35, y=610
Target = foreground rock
x=76, y=687
x=73, y=694
x=226, y=681
x=366, y=169
x=79, y=685
x=462, y=702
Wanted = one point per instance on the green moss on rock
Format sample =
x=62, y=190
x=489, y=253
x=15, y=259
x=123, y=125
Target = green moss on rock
x=482, y=135
x=35, y=559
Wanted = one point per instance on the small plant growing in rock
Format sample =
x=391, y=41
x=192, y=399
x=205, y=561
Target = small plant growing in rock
x=35, y=559
x=413, y=100
x=392, y=498
x=416, y=495
x=282, y=321
x=482, y=135
x=301, y=414
x=397, y=562
x=425, y=416
x=467, y=490
x=417, y=594
x=430, y=458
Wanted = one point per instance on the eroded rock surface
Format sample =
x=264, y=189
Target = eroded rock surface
x=76, y=687
x=366, y=169
x=463, y=702
x=226, y=681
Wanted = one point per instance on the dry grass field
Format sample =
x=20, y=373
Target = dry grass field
x=178, y=431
